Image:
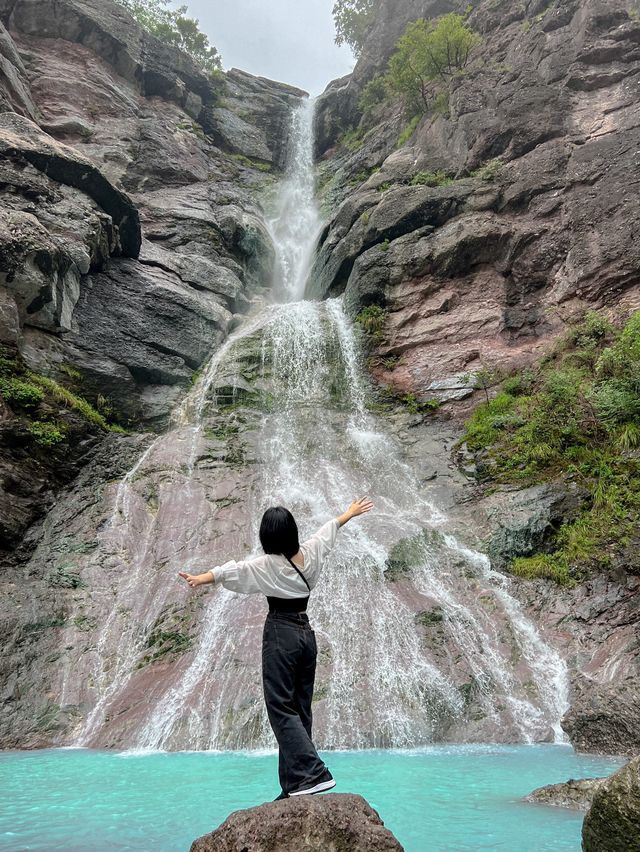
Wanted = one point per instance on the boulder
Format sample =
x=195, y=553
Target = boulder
x=574, y=794
x=612, y=824
x=605, y=717
x=336, y=822
x=524, y=521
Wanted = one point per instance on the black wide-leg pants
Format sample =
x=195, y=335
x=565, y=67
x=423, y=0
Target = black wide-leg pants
x=288, y=672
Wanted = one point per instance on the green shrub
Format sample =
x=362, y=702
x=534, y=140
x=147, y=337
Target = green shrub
x=431, y=179
x=352, y=139
x=488, y=171
x=373, y=94
x=429, y=51
x=21, y=394
x=46, y=434
x=353, y=20
x=70, y=399
x=172, y=27
x=371, y=320
x=408, y=131
x=578, y=417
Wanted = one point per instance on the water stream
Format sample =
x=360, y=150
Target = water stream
x=419, y=639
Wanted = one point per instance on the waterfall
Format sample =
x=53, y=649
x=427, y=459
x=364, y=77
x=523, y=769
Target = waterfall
x=418, y=637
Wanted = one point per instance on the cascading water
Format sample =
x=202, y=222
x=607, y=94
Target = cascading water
x=418, y=638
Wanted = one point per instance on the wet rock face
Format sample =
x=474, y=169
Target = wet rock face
x=484, y=270
x=573, y=794
x=613, y=821
x=605, y=717
x=113, y=145
x=131, y=229
x=341, y=822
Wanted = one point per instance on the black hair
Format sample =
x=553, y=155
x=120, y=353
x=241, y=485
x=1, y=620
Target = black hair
x=279, y=532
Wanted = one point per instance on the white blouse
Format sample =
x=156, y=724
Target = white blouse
x=272, y=573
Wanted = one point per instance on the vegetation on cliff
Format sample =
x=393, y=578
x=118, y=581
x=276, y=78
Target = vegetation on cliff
x=353, y=20
x=427, y=52
x=174, y=27
x=577, y=415
x=37, y=401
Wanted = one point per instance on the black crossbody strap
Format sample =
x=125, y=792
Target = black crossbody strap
x=299, y=572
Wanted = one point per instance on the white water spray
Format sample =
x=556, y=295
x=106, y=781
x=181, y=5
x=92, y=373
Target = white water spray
x=413, y=629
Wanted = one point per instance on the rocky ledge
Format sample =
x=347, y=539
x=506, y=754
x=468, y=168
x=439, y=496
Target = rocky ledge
x=613, y=821
x=340, y=822
x=575, y=794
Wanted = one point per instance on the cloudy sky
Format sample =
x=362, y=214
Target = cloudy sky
x=287, y=40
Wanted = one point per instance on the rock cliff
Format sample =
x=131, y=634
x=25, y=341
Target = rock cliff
x=131, y=238
x=534, y=219
x=477, y=235
x=130, y=225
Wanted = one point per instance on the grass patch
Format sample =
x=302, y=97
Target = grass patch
x=488, y=171
x=431, y=179
x=352, y=139
x=578, y=417
x=408, y=131
x=251, y=164
x=371, y=321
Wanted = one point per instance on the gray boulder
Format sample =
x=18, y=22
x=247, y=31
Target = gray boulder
x=613, y=821
x=336, y=822
x=574, y=794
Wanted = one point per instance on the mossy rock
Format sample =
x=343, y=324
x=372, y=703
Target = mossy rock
x=410, y=553
x=429, y=617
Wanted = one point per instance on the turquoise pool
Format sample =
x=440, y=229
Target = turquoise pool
x=434, y=799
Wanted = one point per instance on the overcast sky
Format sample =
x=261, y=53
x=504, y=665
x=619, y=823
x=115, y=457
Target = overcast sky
x=287, y=40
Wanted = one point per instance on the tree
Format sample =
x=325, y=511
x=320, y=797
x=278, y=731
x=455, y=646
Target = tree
x=173, y=27
x=353, y=19
x=430, y=51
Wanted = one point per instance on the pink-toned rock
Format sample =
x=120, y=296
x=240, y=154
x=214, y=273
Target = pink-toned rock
x=337, y=822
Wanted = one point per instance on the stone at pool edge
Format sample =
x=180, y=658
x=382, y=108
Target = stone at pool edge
x=343, y=822
x=575, y=794
x=612, y=824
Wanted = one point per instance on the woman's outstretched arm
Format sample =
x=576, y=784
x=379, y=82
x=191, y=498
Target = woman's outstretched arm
x=358, y=507
x=197, y=579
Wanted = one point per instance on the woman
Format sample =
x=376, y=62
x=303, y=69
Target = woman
x=286, y=574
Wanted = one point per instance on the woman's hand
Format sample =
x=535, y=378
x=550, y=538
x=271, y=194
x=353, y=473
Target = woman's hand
x=196, y=579
x=358, y=507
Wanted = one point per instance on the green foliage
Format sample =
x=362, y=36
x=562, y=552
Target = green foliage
x=251, y=164
x=70, y=399
x=384, y=245
x=353, y=19
x=440, y=103
x=20, y=394
x=578, y=417
x=408, y=131
x=352, y=139
x=431, y=179
x=371, y=320
x=373, y=94
x=417, y=406
x=173, y=27
x=488, y=171
x=47, y=434
x=429, y=51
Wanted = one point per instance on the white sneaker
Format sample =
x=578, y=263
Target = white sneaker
x=317, y=788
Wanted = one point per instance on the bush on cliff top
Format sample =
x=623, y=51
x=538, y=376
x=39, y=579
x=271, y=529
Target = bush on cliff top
x=429, y=52
x=173, y=27
x=577, y=416
x=353, y=20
